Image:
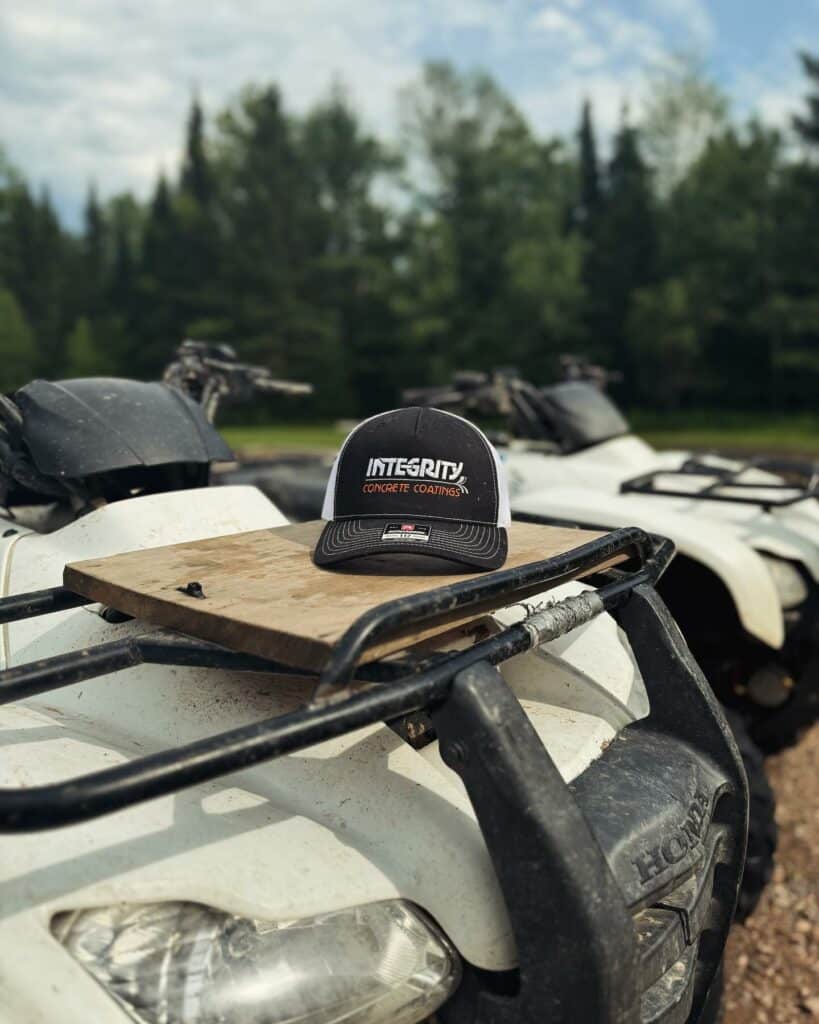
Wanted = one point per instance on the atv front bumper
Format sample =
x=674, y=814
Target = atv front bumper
x=636, y=934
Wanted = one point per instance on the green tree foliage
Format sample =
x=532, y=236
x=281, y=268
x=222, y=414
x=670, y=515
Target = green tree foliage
x=721, y=237
x=486, y=205
x=683, y=251
x=623, y=251
x=18, y=356
x=353, y=275
x=84, y=357
x=546, y=294
x=664, y=342
x=273, y=229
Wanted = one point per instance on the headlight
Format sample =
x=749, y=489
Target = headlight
x=788, y=580
x=191, y=964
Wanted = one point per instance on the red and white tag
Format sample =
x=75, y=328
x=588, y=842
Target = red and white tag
x=411, y=532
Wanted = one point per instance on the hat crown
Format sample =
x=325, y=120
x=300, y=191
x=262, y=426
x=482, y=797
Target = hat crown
x=415, y=463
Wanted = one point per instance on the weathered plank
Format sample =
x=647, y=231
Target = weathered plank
x=264, y=596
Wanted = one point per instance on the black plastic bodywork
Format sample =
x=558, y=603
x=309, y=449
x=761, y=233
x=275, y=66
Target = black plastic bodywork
x=620, y=887
x=295, y=484
x=666, y=805
x=78, y=428
x=580, y=415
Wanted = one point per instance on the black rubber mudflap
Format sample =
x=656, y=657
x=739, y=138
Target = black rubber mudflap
x=762, y=830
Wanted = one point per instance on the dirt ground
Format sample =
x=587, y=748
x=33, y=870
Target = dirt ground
x=772, y=967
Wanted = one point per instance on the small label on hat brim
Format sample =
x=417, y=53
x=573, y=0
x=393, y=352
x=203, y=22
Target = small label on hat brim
x=411, y=532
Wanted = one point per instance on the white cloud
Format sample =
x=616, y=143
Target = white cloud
x=603, y=59
x=776, y=106
x=692, y=18
x=629, y=38
x=97, y=90
x=773, y=89
x=550, y=19
x=557, y=109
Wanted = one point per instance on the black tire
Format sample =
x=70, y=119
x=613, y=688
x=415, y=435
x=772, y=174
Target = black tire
x=762, y=830
x=714, y=1010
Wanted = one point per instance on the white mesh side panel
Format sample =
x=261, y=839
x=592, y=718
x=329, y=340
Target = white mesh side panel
x=328, y=508
x=504, y=511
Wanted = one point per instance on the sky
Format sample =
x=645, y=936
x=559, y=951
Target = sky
x=97, y=90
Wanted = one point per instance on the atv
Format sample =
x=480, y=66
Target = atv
x=543, y=819
x=744, y=586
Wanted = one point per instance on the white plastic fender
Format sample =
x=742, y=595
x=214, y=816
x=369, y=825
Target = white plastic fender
x=35, y=561
x=719, y=546
x=790, y=532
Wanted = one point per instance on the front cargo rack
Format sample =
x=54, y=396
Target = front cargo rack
x=563, y=878
x=801, y=483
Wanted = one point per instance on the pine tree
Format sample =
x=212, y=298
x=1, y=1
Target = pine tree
x=122, y=274
x=160, y=322
x=625, y=248
x=47, y=317
x=158, y=250
x=197, y=235
x=631, y=211
x=807, y=126
x=275, y=230
x=93, y=255
x=195, y=179
x=589, y=198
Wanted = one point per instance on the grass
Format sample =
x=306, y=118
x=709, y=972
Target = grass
x=284, y=437
x=733, y=432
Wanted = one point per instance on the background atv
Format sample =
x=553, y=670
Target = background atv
x=744, y=586
x=581, y=861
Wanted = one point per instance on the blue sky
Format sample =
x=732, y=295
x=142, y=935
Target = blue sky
x=98, y=89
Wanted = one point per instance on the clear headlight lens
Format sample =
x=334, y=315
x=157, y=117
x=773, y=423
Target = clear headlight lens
x=789, y=582
x=184, y=963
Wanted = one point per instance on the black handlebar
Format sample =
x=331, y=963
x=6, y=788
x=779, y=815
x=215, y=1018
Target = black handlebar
x=211, y=373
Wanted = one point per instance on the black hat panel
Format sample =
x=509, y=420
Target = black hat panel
x=417, y=463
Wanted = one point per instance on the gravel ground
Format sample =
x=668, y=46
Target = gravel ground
x=772, y=966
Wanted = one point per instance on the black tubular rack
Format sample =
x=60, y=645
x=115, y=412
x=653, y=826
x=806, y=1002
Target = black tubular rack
x=571, y=899
x=725, y=483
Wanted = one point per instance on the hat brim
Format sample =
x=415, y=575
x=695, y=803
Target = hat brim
x=477, y=545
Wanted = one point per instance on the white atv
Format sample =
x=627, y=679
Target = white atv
x=744, y=586
x=192, y=836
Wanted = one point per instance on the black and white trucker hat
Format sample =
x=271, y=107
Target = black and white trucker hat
x=416, y=480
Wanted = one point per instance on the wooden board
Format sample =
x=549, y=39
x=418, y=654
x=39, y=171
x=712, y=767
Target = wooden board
x=264, y=596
